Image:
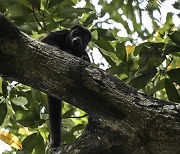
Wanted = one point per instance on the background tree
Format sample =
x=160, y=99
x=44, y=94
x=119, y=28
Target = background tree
x=150, y=62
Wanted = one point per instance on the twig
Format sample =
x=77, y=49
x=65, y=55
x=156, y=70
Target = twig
x=33, y=11
x=75, y=117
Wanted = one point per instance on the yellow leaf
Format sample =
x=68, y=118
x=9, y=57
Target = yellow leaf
x=130, y=48
x=24, y=131
x=11, y=139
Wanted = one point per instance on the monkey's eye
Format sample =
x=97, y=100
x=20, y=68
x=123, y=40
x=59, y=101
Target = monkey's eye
x=76, y=32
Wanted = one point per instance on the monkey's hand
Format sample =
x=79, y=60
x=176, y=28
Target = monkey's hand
x=86, y=57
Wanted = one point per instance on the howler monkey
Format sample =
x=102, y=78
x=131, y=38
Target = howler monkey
x=73, y=41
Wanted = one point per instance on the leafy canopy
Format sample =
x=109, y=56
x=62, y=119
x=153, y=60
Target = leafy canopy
x=146, y=59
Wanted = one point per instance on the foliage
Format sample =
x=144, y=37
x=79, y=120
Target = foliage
x=151, y=65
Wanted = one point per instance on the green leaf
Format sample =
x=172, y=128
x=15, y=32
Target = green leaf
x=34, y=142
x=145, y=69
x=66, y=12
x=37, y=95
x=121, y=51
x=104, y=44
x=26, y=3
x=175, y=37
x=28, y=27
x=28, y=118
x=77, y=128
x=4, y=88
x=174, y=75
x=90, y=19
x=160, y=85
x=171, y=91
x=120, y=69
x=109, y=60
x=40, y=147
x=105, y=34
x=55, y=3
x=69, y=113
x=152, y=50
x=27, y=147
x=3, y=112
x=140, y=47
x=4, y=4
x=154, y=61
x=68, y=138
x=142, y=80
x=171, y=48
x=19, y=10
x=1, y=85
x=107, y=51
x=80, y=11
x=169, y=18
x=109, y=56
x=21, y=20
x=19, y=100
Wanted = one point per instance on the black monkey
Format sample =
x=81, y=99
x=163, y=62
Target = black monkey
x=73, y=41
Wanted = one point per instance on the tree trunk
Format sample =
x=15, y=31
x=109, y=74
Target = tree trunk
x=122, y=120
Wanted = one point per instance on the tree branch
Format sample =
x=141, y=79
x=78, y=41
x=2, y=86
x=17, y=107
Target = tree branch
x=121, y=119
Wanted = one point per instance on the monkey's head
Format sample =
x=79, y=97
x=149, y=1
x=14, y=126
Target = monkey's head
x=78, y=38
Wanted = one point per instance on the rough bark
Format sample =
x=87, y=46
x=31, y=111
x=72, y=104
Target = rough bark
x=122, y=120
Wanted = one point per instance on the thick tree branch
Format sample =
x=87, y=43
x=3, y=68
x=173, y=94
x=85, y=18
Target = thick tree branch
x=121, y=119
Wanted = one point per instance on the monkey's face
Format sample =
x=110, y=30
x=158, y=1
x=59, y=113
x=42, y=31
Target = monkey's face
x=78, y=38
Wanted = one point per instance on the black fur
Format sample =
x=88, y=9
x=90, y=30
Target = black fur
x=73, y=41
